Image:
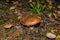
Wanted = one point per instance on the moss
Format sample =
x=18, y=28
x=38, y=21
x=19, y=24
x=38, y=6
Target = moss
x=1, y=22
x=20, y=38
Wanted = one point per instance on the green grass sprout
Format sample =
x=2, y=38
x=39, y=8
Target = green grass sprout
x=37, y=8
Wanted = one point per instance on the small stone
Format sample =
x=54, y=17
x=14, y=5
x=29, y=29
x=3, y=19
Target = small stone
x=51, y=35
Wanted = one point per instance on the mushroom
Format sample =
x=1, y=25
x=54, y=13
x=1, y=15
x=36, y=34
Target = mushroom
x=29, y=20
x=7, y=25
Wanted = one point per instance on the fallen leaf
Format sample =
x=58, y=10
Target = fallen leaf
x=7, y=25
x=53, y=31
x=58, y=6
x=58, y=37
x=13, y=7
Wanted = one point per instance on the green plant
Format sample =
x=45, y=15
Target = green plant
x=37, y=8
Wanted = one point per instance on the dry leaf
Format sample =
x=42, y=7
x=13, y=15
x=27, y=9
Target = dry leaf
x=7, y=25
x=58, y=37
x=30, y=0
x=17, y=11
x=27, y=37
x=58, y=6
x=13, y=35
x=53, y=31
x=13, y=7
x=55, y=15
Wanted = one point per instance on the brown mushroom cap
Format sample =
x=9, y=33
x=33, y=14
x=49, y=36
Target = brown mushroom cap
x=29, y=20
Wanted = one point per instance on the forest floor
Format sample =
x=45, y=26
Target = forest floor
x=12, y=29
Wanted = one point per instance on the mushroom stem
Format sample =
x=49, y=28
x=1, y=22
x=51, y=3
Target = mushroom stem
x=32, y=27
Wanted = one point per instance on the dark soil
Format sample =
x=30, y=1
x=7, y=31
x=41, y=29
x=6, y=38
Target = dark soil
x=51, y=23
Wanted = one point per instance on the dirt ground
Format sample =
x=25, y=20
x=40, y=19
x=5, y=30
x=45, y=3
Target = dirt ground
x=11, y=11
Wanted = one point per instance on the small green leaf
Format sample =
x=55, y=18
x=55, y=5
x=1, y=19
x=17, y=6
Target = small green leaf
x=38, y=5
x=36, y=8
x=31, y=5
x=44, y=7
